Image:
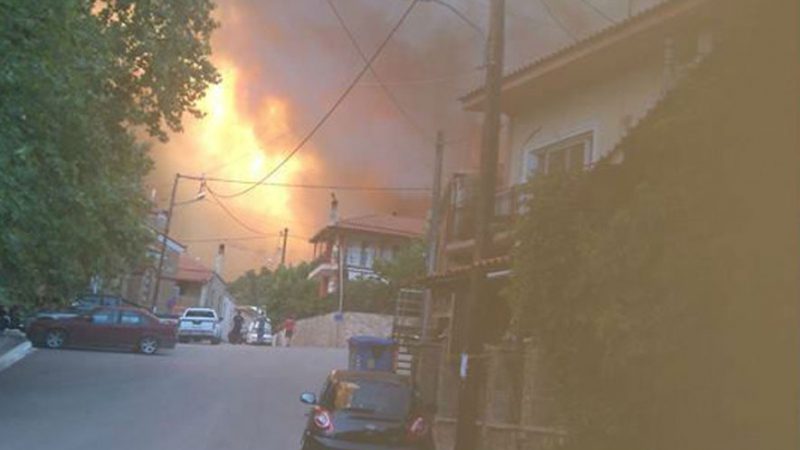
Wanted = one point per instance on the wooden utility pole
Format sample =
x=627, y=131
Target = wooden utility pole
x=433, y=228
x=163, y=253
x=285, y=235
x=472, y=333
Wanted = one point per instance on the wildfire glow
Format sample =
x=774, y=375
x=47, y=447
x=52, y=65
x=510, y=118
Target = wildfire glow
x=240, y=145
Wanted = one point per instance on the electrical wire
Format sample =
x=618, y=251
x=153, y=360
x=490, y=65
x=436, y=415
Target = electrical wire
x=473, y=72
x=333, y=187
x=233, y=216
x=389, y=94
x=598, y=11
x=334, y=107
x=558, y=21
x=461, y=16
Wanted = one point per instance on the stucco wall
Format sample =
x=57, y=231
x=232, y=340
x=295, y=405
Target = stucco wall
x=607, y=106
x=325, y=331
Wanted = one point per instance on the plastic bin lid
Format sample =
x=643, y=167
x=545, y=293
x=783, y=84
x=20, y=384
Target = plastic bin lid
x=370, y=341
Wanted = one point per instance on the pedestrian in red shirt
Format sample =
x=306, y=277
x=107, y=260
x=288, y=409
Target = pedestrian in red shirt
x=288, y=328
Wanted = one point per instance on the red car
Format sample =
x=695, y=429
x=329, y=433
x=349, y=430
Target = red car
x=105, y=327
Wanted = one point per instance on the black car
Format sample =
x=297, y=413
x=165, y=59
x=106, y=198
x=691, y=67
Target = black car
x=367, y=411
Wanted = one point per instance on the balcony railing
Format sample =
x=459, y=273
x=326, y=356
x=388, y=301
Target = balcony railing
x=508, y=205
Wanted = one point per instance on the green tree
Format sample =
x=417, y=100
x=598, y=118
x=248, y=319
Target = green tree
x=80, y=80
x=662, y=291
x=405, y=268
x=283, y=292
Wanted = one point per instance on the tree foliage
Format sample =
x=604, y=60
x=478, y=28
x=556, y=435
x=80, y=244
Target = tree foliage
x=287, y=290
x=79, y=79
x=282, y=292
x=662, y=290
x=405, y=268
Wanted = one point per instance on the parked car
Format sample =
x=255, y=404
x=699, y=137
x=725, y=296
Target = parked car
x=104, y=327
x=200, y=324
x=374, y=410
x=87, y=302
x=252, y=334
x=172, y=319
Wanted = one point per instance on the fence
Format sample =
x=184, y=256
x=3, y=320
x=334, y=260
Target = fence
x=516, y=403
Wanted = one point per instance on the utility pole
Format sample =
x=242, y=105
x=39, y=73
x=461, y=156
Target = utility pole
x=340, y=258
x=163, y=253
x=285, y=235
x=472, y=336
x=433, y=229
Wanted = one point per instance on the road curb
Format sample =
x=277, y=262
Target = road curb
x=15, y=354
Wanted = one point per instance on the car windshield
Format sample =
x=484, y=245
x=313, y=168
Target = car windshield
x=378, y=398
x=200, y=313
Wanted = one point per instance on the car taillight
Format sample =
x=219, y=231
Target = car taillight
x=322, y=420
x=417, y=428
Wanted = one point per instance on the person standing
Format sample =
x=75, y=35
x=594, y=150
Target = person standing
x=235, y=336
x=288, y=329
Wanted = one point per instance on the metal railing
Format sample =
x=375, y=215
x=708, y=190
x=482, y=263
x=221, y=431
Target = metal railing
x=509, y=204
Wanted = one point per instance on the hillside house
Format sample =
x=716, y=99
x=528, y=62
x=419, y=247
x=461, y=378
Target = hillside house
x=564, y=111
x=363, y=240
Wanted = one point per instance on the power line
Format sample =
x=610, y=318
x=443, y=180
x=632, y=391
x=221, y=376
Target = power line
x=598, y=11
x=336, y=187
x=335, y=105
x=461, y=16
x=233, y=216
x=443, y=79
x=242, y=238
x=389, y=94
x=558, y=21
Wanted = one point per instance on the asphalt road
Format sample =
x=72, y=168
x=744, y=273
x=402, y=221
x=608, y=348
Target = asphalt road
x=194, y=397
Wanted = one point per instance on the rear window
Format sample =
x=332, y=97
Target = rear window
x=198, y=313
x=373, y=397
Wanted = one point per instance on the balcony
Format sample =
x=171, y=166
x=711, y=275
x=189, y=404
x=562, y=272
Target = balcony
x=460, y=221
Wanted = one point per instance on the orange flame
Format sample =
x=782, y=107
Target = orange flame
x=241, y=146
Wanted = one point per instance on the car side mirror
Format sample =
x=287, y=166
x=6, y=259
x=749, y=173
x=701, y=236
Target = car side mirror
x=308, y=398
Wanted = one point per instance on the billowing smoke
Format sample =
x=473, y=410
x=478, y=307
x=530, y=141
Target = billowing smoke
x=285, y=62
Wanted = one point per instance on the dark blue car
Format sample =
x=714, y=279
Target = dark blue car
x=367, y=410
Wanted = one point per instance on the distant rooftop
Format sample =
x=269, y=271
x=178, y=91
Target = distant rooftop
x=192, y=270
x=386, y=224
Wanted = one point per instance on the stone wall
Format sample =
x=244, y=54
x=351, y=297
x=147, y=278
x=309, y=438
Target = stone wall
x=325, y=331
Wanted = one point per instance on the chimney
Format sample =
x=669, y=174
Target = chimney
x=219, y=260
x=334, y=214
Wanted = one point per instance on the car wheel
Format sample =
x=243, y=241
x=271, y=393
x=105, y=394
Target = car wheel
x=55, y=338
x=148, y=345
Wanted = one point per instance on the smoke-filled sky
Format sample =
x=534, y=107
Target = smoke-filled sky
x=284, y=63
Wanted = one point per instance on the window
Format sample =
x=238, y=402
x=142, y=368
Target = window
x=131, y=318
x=568, y=155
x=367, y=254
x=353, y=255
x=379, y=398
x=386, y=253
x=105, y=317
x=199, y=313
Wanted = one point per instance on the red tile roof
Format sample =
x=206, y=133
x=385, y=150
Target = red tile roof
x=191, y=270
x=386, y=224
